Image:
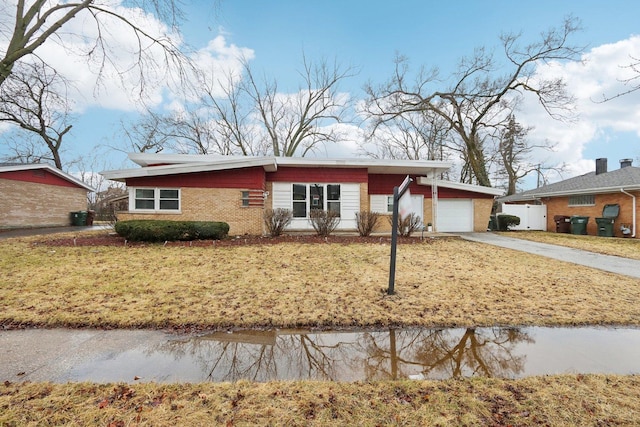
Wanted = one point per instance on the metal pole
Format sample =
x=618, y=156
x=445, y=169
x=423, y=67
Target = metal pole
x=394, y=239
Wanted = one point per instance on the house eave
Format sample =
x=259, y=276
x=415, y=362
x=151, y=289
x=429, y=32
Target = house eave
x=601, y=190
x=461, y=186
x=191, y=164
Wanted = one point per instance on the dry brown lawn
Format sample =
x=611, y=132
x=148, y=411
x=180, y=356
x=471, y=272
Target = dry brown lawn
x=447, y=282
x=568, y=400
x=439, y=283
x=626, y=248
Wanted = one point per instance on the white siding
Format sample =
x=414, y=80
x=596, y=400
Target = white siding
x=282, y=195
x=349, y=205
x=378, y=203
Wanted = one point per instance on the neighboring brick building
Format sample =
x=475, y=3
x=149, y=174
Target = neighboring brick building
x=587, y=195
x=238, y=190
x=39, y=195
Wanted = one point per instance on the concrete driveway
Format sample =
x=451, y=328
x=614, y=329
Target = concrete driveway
x=613, y=264
x=25, y=232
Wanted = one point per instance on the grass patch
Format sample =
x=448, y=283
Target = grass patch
x=553, y=400
x=439, y=283
x=626, y=248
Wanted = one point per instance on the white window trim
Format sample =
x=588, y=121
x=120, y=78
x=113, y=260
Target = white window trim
x=308, y=197
x=156, y=200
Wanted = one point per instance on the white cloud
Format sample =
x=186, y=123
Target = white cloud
x=599, y=75
x=122, y=86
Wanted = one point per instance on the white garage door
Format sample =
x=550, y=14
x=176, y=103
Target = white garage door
x=455, y=215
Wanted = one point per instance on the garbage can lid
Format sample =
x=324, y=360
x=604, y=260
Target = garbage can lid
x=611, y=211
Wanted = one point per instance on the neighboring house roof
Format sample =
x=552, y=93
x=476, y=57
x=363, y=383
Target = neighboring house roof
x=626, y=178
x=171, y=164
x=14, y=167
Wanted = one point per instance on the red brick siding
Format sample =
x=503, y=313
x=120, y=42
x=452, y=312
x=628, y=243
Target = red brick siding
x=211, y=204
x=560, y=206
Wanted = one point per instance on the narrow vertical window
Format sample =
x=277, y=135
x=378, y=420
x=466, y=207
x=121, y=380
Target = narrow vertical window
x=245, y=198
x=333, y=198
x=299, y=201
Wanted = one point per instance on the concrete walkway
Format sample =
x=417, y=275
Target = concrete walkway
x=613, y=264
x=25, y=232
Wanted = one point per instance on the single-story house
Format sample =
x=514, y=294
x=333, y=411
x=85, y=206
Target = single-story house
x=39, y=195
x=238, y=189
x=587, y=195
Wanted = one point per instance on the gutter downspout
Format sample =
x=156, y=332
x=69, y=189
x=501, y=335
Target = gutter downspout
x=634, y=210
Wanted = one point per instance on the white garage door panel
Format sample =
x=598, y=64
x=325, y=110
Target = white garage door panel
x=455, y=215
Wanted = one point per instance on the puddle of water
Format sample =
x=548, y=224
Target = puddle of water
x=110, y=356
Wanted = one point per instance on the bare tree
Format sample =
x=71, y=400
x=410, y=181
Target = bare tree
x=251, y=117
x=144, y=135
x=514, y=151
x=33, y=98
x=419, y=135
x=296, y=124
x=478, y=101
x=40, y=21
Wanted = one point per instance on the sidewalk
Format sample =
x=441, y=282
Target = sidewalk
x=613, y=264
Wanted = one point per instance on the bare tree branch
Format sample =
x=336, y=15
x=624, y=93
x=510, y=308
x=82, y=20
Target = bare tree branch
x=478, y=101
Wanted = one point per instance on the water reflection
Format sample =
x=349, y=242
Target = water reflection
x=419, y=353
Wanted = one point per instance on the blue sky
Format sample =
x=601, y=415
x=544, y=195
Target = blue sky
x=368, y=34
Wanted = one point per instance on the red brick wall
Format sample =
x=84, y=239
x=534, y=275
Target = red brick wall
x=560, y=206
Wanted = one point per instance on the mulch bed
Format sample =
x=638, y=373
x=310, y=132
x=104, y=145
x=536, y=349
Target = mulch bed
x=115, y=240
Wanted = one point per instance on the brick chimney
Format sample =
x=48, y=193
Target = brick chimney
x=601, y=166
x=625, y=163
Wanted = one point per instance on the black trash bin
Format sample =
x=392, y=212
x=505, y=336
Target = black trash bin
x=79, y=218
x=563, y=223
x=605, y=224
x=579, y=224
x=493, y=223
x=90, y=216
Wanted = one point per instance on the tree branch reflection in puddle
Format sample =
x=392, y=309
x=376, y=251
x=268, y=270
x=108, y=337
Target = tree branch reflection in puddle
x=349, y=356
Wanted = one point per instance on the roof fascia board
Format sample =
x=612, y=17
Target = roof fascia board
x=174, y=169
x=461, y=186
x=601, y=190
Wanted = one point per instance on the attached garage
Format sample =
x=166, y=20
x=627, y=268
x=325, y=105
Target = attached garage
x=455, y=215
x=457, y=207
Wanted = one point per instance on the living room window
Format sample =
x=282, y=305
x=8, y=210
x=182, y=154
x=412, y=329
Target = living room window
x=156, y=199
x=315, y=196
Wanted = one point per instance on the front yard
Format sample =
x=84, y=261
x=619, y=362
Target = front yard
x=447, y=282
x=441, y=282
